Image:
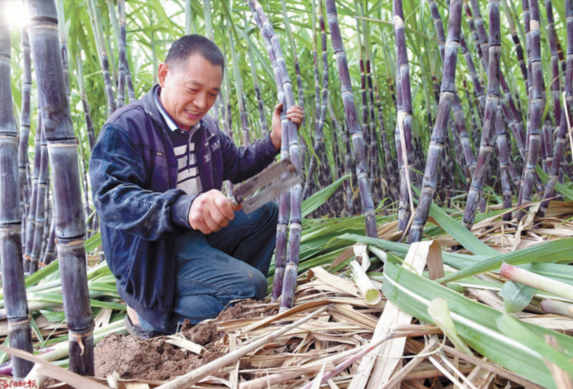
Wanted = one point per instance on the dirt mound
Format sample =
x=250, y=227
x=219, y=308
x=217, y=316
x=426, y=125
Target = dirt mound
x=155, y=359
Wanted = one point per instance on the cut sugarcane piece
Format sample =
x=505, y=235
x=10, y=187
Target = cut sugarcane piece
x=370, y=293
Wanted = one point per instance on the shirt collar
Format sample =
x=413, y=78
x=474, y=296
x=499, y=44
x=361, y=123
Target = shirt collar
x=170, y=122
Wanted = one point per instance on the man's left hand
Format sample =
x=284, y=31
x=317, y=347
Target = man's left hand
x=295, y=114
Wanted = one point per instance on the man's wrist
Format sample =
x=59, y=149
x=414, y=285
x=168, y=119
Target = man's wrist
x=276, y=140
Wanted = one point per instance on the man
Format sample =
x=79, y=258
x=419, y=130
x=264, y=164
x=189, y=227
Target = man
x=173, y=241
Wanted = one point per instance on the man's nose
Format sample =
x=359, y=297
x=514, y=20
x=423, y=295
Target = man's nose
x=201, y=101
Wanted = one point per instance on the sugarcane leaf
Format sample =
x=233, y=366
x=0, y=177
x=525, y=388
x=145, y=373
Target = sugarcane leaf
x=457, y=231
x=3, y=355
x=34, y=278
x=475, y=322
x=320, y=197
x=516, y=296
x=559, y=187
x=552, y=251
x=93, y=242
x=438, y=309
x=509, y=325
x=36, y=329
x=459, y=261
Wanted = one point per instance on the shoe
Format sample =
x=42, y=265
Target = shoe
x=138, y=332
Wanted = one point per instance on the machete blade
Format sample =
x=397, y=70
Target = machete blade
x=271, y=182
x=264, y=178
x=269, y=193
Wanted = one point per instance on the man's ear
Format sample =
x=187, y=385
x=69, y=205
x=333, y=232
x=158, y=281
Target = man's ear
x=162, y=73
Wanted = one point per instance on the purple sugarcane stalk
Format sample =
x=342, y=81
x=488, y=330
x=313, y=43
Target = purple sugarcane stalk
x=122, y=54
x=555, y=77
x=447, y=95
x=31, y=224
x=39, y=218
x=503, y=153
x=561, y=139
x=404, y=121
x=536, y=107
x=24, y=129
x=13, y=284
x=352, y=119
x=488, y=132
x=62, y=149
x=319, y=149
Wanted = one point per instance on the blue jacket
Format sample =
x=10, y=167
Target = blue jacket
x=133, y=172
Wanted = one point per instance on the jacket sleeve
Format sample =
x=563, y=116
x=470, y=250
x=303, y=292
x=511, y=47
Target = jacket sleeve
x=241, y=163
x=118, y=174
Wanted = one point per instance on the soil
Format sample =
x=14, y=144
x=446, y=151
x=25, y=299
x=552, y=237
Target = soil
x=155, y=359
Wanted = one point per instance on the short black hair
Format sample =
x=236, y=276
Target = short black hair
x=188, y=45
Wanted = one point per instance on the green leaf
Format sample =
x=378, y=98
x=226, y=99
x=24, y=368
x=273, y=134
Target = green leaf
x=320, y=197
x=514, y=328
x=457, y=231
x=93, y=242
x=475, y=322
x=553, y=251
x=516, y=296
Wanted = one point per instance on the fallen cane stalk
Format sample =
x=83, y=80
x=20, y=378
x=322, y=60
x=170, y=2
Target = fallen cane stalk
x=279, y=378
x=191, y=378
x=394, y=381
x=396, y=332
x=557, y=308
x=536, y=281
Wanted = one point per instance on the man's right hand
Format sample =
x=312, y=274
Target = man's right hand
x=210, y=211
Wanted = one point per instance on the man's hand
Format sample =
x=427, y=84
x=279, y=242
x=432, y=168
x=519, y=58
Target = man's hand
x=210, y=212
x=295, y=113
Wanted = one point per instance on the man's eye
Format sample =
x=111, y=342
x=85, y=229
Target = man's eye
x=192, y=90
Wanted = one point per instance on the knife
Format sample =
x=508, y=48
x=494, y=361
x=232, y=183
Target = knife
x=265, y=186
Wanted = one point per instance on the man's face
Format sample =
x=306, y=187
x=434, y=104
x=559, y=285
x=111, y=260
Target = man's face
x=189, y=89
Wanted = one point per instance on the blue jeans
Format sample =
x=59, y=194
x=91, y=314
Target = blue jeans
x=227, y=265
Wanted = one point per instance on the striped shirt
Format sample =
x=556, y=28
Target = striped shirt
x=187, y=170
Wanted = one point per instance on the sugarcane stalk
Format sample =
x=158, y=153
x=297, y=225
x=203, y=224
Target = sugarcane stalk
x=319, y=148
x=447, y=94
x=503, y=153
x=488, y=132
x=351, y=116
x=565, y=120
x=31, y=224
x=404, y=122
x=50, y=253
x=39, y=218
x=557, y=308
x=481, y=32
x=10, y=219
x=536, y=107
x=104, y=61
x=62, y=149
x=555, y=83
x=122, y=54
x=516, y=40
x=24, y=129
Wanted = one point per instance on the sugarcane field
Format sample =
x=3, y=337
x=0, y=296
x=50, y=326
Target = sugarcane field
x=256, y=194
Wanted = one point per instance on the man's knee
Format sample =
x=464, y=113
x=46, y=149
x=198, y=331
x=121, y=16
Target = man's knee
x=253, y=285
x=270, y=213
